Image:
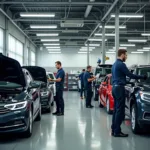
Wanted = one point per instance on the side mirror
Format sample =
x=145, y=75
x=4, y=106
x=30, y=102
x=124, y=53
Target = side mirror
x=34, y=85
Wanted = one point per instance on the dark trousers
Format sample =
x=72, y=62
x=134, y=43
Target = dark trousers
x=82, y=90
x=119, y=108
x=89, y=93
x=59, y=101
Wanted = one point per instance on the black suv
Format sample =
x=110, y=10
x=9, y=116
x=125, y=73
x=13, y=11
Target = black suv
x=47, y=94
x=138, y=99
x=100, y=72
x=20, y=102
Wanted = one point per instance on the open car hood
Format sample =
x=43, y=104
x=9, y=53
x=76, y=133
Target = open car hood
x=11, y=71
x=38, y=73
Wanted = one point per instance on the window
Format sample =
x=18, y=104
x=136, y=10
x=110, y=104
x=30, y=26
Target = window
x=27, y=62
x=32, y=58
x=15, y=49
x=1, y=40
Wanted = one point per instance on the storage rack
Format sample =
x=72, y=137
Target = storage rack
x=66, y=82
x=73, y=82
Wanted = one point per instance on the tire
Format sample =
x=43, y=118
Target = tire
x=48, y=110
x=95, y=95
x=134, y=120
x=38, y=118
x=100, y=104
x=28, y=132
x=108, y=106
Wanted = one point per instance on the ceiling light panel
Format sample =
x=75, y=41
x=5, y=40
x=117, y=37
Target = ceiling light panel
x=43, y=26
x=86, y=50
x=138, y=41
x=83, y=52
x=110, y=52
x=94, y=39
x=145, y=34
x=146, y=47
x=128, y=15
x=37, y=14
x=143, y=50
x=137, y=52
x=113, y=27
x=127, y=45
x=95, y=45
x=51, y=44
x=120, y=47
x=49, y=40
x=54, y=52
x=107, y=34
x=47, y=34
x=56, y=47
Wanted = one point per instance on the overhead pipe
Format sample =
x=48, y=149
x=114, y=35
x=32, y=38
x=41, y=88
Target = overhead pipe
x=16, y=26
x=88, y=9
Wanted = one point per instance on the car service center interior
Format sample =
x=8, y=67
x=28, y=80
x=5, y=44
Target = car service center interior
x=44, y=47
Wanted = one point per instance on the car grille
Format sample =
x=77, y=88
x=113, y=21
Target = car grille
x=4, y=110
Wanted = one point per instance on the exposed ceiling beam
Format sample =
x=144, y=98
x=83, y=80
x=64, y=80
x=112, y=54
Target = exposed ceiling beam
x=107, y=13
x=46, y=30
x=137, y=3
x=88, y=9
x=56, y=3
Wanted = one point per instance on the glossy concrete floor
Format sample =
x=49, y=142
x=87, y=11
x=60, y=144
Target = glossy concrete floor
x=79, y=129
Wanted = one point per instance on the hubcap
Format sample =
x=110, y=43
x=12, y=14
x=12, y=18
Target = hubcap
x=133, y=118
x=107, y=105
x=30, y=121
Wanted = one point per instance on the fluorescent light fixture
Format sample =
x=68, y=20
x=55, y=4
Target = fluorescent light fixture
x=70, y=31
x=107, y=34
x=52, y=40
x=92, y=45
x=37, y=14
x=113, y=27
x=138, y=41
x=83, y=52
x=86, y=50
x=110, y=52
x=137, y=52
x=143, y=50
x=54, y=52
x=128, y=16
x=94, y=39
x=146, y=47
x=87, y=47
x=43, y=26
x=120, y=47
x=47, y=34
x=127, y=45
x=52, y=44
x=145, y=34
x=55, y=47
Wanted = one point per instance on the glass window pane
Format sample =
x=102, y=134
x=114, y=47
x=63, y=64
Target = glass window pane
x=19, y=48
x=12, y=55
x=12, y=43
x=1, y=40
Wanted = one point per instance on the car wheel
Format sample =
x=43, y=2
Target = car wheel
x=38, y=118
x=108, y=106
x=134, y=121
x=28, y=133
x=49, y=107
x=100, y=104
x=95, y=95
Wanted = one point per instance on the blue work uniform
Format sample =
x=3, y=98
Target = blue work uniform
x=59, y=91
x=119, y=73
x=88, y=88
x=82, y=84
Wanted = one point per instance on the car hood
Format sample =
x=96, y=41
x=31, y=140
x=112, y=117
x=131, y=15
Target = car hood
x=11, y=71
x=38, y=73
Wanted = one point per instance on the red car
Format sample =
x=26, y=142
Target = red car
x=105, y=94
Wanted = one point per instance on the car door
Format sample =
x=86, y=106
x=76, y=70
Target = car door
x=105, y=89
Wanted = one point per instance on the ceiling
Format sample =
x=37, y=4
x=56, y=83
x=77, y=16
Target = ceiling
x=89, y=13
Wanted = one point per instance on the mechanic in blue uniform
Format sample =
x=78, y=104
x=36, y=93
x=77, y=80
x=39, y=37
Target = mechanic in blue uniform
x=60, y=77
x=88, y=86
x=82, y=84
x=119, y=73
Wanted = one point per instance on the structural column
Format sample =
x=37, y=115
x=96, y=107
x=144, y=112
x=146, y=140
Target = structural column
x=88, y=54
x=6, y=35
x=103, y=44
x=117, y=30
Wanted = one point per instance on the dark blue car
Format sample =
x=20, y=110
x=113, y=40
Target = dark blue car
x=138, y=100
x=20, y=102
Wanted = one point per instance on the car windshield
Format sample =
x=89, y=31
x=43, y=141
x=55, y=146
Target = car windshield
x=144, y=71
x=103, y=71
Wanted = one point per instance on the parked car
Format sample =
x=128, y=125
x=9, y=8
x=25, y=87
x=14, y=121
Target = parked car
x=105, y=94
x=20, y=102
x=138, y=99
x=46, y=93
x=52, y=76
x=100, y=72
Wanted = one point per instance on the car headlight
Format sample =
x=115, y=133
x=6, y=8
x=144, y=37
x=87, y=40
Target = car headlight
x=145, y=96
x=44, y=93
x=16, y=106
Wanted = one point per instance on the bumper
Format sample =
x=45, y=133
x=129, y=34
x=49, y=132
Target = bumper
x=14, y=121
x=44, y=102
x=144, y=113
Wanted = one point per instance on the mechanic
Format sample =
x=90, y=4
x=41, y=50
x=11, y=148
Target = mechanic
x=82, y=84
x=119, y=73
x=60, y=76
x=88, y=86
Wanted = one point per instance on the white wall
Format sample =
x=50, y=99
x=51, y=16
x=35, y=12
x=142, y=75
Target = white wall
x=75, y=61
